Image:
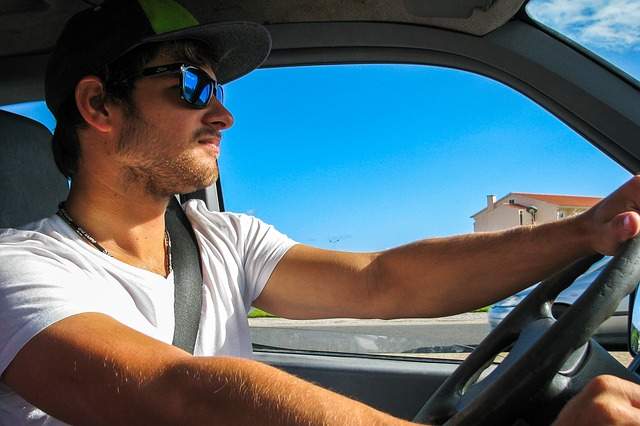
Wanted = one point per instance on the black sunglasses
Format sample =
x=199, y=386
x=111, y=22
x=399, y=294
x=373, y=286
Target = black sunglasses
x=196, y=86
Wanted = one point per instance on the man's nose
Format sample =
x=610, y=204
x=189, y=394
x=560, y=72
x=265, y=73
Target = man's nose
x=218, y=116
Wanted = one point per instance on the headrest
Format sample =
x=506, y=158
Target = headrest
x=30, y=184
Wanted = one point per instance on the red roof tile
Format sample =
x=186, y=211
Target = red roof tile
x=563, y=200
x=559, y=200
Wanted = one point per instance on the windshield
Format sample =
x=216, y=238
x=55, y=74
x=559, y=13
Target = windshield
x=366, y=157
x=609, y=28
x=330, y=159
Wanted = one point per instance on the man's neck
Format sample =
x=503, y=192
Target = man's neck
x=127, y=222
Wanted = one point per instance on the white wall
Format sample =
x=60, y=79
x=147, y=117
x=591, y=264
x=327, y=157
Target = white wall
x=503, y=216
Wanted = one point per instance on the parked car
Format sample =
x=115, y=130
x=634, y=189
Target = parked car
x=612, y=333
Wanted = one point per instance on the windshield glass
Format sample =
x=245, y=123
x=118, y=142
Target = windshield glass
x=368, y=157
x=609, y=28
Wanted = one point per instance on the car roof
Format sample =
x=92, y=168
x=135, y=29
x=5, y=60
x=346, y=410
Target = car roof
x=33, y=26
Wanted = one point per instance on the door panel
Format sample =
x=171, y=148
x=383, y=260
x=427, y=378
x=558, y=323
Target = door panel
x=398, y=387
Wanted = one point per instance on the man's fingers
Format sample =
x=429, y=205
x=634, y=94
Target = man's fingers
x=614, y=387
x=631, y=392
x=606, y=400
x=626, y=225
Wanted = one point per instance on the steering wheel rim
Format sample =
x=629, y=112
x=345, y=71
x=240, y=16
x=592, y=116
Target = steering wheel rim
x=531, y=369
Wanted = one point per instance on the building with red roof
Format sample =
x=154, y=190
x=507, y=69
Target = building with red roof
x=522, y=208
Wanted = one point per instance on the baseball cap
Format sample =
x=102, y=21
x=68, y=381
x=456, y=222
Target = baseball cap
x=99, y=35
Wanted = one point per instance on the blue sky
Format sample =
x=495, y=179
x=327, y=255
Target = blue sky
x=611, y=28
x=369, y=157
x=373, y=168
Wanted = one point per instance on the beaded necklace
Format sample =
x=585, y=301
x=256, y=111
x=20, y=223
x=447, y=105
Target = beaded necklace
x=62, y=212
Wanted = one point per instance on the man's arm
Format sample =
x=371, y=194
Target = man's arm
x=444, y=276
x=91, y=369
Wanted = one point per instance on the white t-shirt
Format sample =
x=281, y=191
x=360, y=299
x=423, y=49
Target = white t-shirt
x=48, y=273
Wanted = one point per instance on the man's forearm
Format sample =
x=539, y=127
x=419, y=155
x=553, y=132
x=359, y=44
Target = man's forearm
x=445, y=276
x=97, y=371
x=206, y=390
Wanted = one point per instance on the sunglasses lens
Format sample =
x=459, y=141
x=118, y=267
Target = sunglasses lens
x=205, y=94
x=189, y=85
x=197, y=87
x=219, y=93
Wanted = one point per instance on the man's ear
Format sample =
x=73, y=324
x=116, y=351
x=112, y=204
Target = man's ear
x=91, y=102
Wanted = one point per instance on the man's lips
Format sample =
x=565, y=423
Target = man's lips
x=212, y=143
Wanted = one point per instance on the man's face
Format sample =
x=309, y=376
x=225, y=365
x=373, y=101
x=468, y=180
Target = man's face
x=166, y=145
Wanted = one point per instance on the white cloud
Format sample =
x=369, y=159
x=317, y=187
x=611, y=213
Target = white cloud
x=608, y=24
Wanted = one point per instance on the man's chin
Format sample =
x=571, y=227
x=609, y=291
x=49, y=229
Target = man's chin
x=179, y=176
x=202, y=182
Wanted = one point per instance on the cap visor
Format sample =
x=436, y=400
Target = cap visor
x=237, y=47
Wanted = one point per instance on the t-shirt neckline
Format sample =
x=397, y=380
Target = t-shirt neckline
x=70, y=233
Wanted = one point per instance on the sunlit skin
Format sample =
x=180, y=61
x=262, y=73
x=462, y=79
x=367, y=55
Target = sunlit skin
x=132, y=163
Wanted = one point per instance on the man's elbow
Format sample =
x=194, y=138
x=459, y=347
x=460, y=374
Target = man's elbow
x=382, y=296
x=194, y=390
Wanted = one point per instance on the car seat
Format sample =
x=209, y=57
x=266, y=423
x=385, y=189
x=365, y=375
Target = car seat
x=30, y=183
x=33, y=187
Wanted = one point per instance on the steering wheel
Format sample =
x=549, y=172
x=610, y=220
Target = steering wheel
x=550, y=360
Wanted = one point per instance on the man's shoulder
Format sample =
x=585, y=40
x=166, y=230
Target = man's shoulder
x=46, y=237
x=45, y=228
x=199, y=206
x=228, y=228
x=200, y=215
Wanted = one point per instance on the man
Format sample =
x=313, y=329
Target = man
x=86, y=301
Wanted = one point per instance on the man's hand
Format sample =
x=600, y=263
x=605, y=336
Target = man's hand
x=606, y=400
x=615, y=219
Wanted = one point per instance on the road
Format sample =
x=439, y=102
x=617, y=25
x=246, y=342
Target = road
x=450, y=334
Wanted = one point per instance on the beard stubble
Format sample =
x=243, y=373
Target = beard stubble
x=162, y=174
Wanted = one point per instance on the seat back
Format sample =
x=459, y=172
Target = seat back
x=30, y=184
x=32, y=187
